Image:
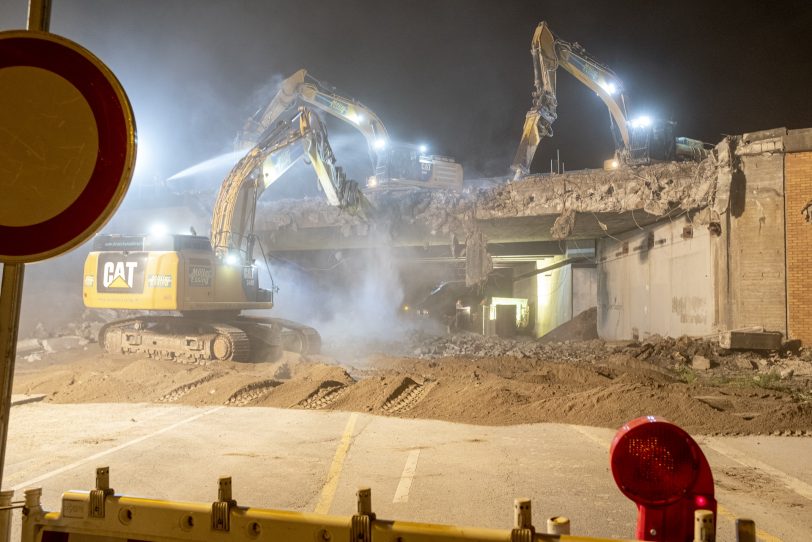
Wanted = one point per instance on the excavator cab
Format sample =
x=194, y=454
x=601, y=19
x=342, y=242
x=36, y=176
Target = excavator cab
x=409, y=166
x=654, y=141
x=651, y=141
x=402, y=162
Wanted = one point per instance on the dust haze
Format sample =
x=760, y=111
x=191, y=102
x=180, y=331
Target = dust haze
x=356, y=301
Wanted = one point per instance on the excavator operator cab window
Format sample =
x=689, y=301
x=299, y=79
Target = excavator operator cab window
x=654, y=142
x=404, y=163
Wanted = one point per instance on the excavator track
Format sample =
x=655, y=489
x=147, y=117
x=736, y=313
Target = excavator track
x=176, y=338
x=187, y=339
x=295, y=337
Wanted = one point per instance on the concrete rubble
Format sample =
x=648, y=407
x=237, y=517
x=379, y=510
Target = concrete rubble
x=655, y=189
x=72, y=336
x=586, y=204
x=680, y=354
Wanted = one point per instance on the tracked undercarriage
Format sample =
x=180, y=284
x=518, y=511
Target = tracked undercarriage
x=201, y=338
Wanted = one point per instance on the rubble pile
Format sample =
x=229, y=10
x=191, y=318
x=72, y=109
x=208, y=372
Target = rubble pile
x=682, y=354
x=690, y=351
x=71, y=336
x=655, y=188
x=480, y=346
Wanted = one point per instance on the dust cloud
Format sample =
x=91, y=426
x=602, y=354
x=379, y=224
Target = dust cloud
x=355, y=304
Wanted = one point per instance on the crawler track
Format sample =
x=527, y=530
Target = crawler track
x=181, y=391
x=252, y=392
x=327, y=394
x=406, y=396
x=206, y=338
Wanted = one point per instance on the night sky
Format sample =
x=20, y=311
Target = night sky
x=453, y=73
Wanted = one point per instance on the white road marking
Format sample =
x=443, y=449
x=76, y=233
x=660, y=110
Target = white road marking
x=798, y=486
x=60, y=470
x=405, y=485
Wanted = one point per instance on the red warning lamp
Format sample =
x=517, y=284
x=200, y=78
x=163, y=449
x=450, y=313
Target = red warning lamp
x=662, y=469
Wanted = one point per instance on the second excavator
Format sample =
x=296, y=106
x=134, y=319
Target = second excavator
x=200, y=286
x=395, y=165
x=639, y=141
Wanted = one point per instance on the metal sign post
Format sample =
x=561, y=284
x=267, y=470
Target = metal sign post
x=11, y=290
x=11, y=293
x=66, y=113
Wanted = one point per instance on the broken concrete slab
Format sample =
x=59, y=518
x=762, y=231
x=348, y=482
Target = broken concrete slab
x=700, y=363
x=578, y=205
x=28, y=346
x=791, y=347
x=69, y=342
x=751, y=340
x=21, y=399
x=786, y=374
x=744, y=363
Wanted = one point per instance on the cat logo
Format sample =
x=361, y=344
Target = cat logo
x=116, y=277
x=121, y=273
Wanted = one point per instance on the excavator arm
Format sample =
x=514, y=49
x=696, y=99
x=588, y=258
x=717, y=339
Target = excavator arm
x=548, y=53
x=392, y=164
x=276, y=151
x=301, y=88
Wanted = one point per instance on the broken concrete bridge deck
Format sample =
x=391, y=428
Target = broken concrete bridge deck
x=540, y=208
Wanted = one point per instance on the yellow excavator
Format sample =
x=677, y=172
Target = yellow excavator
x=211, y=281
x=396, y=165
x=637, y=141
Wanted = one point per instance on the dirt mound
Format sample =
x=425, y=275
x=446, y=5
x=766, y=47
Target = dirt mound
x=588, y=383
x=583, y=327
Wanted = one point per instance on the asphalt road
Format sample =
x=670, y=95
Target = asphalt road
x=419, y=470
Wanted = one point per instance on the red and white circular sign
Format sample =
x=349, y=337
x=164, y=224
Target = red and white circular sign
x=67, y=145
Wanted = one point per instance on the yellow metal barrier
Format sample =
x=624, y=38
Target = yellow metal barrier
x=101, y=516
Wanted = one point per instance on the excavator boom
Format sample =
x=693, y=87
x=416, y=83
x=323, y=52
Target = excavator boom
x=276, y=151
x=393, y=164
x=303, y=89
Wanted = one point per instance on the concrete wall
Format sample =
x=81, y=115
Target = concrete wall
x=554, y=298
x=584, y=289
x=526, y=288
x=658, y=280
x=798, y=183
x=756, y=289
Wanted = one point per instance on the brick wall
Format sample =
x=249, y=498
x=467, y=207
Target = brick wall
x=798, y=190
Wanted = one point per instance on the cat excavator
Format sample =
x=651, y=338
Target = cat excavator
x=638, y=141
x=396, y=165
x=210, y=281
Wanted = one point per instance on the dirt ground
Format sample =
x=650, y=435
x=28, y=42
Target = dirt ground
x=487, y=381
